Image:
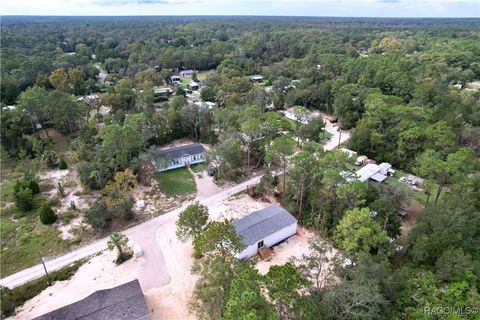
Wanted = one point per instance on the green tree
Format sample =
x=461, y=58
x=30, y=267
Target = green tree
x=284, y=285
x=359, y=232
x=245, y=299
x=97, y=215
x=192, y=221
x=278, y=153
x=47, y=215
x=444, y=171
x=120, y=242
x=219, y=240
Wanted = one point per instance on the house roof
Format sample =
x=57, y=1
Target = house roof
x=385, y=166
x=260, y=224
x=177, y=152
x=367, y=171
x=187, y=71
x=124, y=302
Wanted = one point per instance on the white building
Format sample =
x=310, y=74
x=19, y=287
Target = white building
x=178, y=157
x=264, y=228
x=186, y=73
x=375, y=172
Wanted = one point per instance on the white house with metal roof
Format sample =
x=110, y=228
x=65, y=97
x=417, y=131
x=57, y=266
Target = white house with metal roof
x=178, y=157
x=375, y=172
x=264, y=228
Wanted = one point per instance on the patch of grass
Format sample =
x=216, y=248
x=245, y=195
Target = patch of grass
x=6, y=193
x=68, y=216
x=176, y=182
x=325, y=136
x=22, y=240
x=198, y=167
x=16, y=297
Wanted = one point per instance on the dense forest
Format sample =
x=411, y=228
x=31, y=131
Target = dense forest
x=401, y=86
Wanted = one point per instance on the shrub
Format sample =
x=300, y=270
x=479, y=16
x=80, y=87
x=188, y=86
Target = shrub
x=62, y=165
x=97, y=215
x=47, y=215
x=24, y=200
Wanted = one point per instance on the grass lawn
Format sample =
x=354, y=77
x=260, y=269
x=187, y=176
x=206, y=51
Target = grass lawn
x=23, y=238
x=176, y=182
x=198, y=167
x=326, y=135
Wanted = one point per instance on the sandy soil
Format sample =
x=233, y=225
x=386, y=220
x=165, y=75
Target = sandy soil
x=236, y=207
x=206, y=187
x=97, y=274
x=293, y=247
x=171, y=301
x=73, y=193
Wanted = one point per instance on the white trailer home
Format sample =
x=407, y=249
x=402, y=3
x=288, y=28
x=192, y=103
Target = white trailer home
x=264, y=228
x=178, y=157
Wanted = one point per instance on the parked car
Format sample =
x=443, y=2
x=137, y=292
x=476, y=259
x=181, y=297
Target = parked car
x=407, y=180
x=212, y=171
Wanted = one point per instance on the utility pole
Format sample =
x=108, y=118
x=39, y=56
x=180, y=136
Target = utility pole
x=45, y=268
x=339, y=137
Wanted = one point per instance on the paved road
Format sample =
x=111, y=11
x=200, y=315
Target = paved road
x=143, y=233
x=154, y=272
x=337, y=136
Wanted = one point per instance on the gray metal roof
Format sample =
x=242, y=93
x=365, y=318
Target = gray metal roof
x=260, y=224
x=178, y=152
x=125, y=302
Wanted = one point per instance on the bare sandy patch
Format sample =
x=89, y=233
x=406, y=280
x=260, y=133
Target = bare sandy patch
x=236, y=207
x=294, y=247
x=171, y=301
x=97, y=274
x=206, y=186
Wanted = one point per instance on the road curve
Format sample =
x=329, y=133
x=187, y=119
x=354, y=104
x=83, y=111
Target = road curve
x=143, y=233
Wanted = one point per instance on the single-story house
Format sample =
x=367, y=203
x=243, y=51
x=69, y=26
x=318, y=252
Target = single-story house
x=193, y=85
x=256, y=78
x=372, y=171
x=162, y=91
x=124, y=302
x=264, y=228
x=186, y=73
x=178, y=157
x=175, y=79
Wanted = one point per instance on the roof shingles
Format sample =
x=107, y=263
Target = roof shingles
x=260, y=224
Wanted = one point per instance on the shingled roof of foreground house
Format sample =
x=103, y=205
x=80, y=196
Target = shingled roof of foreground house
x=125, y=302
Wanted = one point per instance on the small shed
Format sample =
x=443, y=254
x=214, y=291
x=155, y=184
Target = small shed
x=264, y=229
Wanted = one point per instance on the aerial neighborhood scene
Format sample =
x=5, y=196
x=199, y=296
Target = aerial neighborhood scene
x=240, y=159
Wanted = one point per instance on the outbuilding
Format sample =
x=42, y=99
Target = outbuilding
x=264, y=229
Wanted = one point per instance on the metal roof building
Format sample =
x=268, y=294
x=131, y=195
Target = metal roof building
x=264, y=228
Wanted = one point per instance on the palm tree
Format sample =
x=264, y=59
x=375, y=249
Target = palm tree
x=120, y=242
